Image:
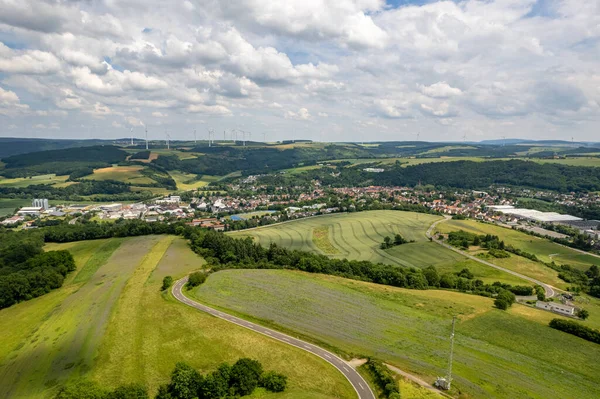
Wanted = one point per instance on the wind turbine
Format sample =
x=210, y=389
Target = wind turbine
x=168, y=136
x=195, y=142
x=146, y=127
x=503, y=141
x=211, y=134
x=264, y=137
x=131, y=135
x=465, y=137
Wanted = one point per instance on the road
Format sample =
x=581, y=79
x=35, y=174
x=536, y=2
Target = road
x=549, y=289
x=358, y=383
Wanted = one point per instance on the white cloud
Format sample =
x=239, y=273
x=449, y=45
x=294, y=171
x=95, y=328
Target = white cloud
x=440, y=90
x=364, y=64
x=302, y=114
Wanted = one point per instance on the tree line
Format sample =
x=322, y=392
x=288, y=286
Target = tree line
x=26, y=271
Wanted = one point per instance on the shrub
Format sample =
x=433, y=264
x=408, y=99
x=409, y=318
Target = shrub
x=572, y=327
x=583, y=314
x=167, y=281
x=273, y=381
x=383, y=378
x=196, y=279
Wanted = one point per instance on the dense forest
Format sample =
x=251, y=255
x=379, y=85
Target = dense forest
x=61, y=162
x=473, y=175
x=14, y=146
x=26, y=271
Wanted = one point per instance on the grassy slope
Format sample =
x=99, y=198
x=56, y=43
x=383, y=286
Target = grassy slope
x=497, y=354
x=358, y=236
x=51, y=179
x=127, y=174
x=116, y=327
x=545, y=249
x=187, y=181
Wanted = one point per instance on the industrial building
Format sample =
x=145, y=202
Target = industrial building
x=533, y=215
x=30, y=211
x=41, y=203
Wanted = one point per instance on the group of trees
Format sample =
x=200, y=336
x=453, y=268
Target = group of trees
x=26, y=271
x=572, y=327
x=465, y=239
x=383, y=378
x=241, y=379
x=398, y=240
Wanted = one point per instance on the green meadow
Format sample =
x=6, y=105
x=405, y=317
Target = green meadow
x=544, y=249
x=499, y=354
x=110, y=323
x=357, y=236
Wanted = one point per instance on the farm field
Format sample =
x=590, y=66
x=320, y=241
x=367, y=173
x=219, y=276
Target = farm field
x=544, y=249
x=357, y=236
x=8, y=205
x=51, y=179
x=110, y=323
x=126, y=174
x=410, y=329
x=187, y=181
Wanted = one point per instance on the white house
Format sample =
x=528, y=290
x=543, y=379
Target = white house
x=556, y=307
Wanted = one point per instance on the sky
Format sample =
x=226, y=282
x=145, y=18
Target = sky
x=343, y=70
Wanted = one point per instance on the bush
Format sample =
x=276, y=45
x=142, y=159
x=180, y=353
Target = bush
x=501, y=303
x=583, y=314
x=167, y=281
x=273, y=381
x=133, y=391
x=383, y=377
x=196, y=279
x=572, y=327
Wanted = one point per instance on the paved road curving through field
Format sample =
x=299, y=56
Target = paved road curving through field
x=549, y=289
x=356, y=380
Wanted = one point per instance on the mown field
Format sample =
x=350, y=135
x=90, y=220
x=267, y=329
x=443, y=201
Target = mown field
x=51, y=179
x=512, y=354
x=544, y=249
x=126, y=174
x=358, y=236
x=110, y=323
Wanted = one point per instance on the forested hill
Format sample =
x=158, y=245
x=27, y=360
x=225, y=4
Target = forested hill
x=14, y=146
x=479, y=175
x=62, y=162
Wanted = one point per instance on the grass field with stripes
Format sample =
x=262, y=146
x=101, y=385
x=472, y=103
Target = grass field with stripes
x=357, y=236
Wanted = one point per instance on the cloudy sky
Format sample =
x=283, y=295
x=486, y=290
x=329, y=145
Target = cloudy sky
x=316, y=69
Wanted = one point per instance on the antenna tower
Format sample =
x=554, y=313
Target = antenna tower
x=446, y=382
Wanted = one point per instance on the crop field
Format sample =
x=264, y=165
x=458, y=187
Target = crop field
x=111, y=323
x=126, y=174
x=8, y=205
x=544, y=249
x=187, y=181
x=357, y=236
x=410, y=329
x=51, y=179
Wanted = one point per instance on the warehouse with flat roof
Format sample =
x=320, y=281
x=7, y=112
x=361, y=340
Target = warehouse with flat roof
x=533, y=215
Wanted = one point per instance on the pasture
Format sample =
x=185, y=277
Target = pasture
x=18, y=182
x=110, y=323
x=187, y=181
x=357, y=236
x=501, y=354
x=126, y=174
x=544, y=249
